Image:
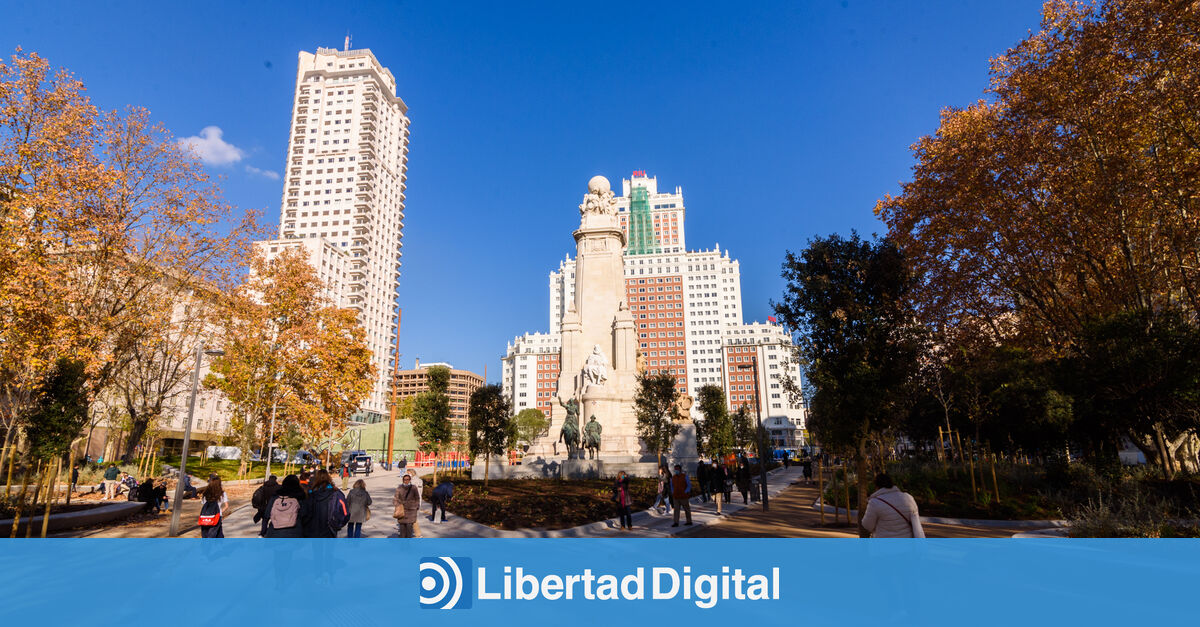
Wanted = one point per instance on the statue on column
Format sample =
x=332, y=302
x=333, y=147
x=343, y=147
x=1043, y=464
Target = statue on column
x=591, y=437
x=595, y=369
x=570, y=428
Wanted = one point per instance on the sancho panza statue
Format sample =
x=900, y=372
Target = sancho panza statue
x=595, y=369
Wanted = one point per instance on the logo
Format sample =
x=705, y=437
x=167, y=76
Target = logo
x=443, y=581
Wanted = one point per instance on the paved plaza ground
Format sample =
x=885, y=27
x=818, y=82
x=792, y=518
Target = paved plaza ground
x=791, y=515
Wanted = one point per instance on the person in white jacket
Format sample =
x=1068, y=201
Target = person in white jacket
x=891, y=513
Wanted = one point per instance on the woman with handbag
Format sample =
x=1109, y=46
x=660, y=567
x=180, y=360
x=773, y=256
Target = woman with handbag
x=360, y=509
x=405, y=503
x=213, y=505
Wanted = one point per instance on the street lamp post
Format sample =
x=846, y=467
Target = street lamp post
x=762, y=461
x=177, y=501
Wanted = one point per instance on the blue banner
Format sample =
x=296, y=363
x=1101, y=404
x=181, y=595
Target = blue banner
x=597, y=582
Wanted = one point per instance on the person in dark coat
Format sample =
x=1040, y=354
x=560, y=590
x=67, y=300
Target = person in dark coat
x=743, y=481
x=314, y=509
x=260, y=500
x=290, y=488
x=441, y=496
x=623, y=500
x=702, y=471
x=716, y=482
x=151, y=495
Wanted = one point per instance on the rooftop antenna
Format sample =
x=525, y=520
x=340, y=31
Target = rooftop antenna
x=347, y=48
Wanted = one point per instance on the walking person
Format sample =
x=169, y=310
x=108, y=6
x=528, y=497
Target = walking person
x=214, y=504
x=717, y=476
x=664, y=490
x=681, y=493
x=743, y=481
x=283, y=510
x=621, y=498
x=75, y=478
x=260, y=500
x=110, y=482
x=419, y=484
x=360, y=509
x=441, y=496
x=891, y=513
x=324, y=512
x=702, y=472
x=806, y=466
x=406, y=503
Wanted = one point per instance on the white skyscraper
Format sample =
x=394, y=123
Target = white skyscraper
x=345, y=186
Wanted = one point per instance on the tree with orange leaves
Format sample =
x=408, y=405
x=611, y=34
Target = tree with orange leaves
x=106, y=226
x=1070, y=198
x=288, y=349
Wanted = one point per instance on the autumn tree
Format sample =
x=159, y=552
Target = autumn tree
x=654, y=406
x=1071, y=192
x=286, y=347
x=104, y=221
x=490, y=425
x=714, y=432
x=848, y=301
x=431, y=414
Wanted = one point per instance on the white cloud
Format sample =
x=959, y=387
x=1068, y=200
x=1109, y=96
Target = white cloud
x=211, y=149
x=270, y=174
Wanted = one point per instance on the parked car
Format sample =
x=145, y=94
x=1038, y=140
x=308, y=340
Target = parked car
x=349, y=456
x=360, y=464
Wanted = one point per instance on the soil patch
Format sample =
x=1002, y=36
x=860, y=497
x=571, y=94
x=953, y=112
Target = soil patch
x=541, y=503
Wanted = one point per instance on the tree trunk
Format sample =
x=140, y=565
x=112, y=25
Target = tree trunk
x=860, y=468
x=33, y=507
x=435, y=467
x=487, y=460
x=10, y=449
x=19, y=505
x=50, y=501
x=70, y=472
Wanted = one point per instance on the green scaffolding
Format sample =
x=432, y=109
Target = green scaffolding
x=641, y=225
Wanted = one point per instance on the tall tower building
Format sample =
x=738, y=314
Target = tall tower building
x=345, y=185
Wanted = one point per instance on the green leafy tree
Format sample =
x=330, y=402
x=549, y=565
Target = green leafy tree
x=743, y=427
x=59, y=412
x=490, y=424
x=654, y=406
x=848, y=301
x=1138, y=375
x=715, y=432
x=431, y=415
x=529, y=424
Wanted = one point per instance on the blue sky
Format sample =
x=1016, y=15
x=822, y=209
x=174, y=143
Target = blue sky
x=781, y=121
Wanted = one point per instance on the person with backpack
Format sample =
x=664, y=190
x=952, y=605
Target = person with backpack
x=891, y=513
x=283, y=510
x=324, y=512
x=360, y=509
x=262, y=497
x=213, y=505
x=406, y=502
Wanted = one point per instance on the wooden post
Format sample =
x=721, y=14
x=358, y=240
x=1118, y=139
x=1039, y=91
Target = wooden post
x=995, y=484
x=54, y=480
x=846, y=478
x=37, y=490
x=821, y=488
x=971, y=467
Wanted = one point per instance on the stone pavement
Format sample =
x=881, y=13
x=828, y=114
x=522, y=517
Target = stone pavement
x=647, y=524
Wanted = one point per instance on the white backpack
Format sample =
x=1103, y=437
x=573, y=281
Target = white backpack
x=284, y=512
